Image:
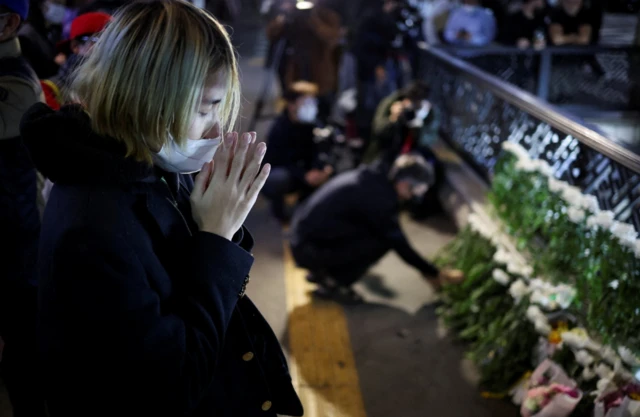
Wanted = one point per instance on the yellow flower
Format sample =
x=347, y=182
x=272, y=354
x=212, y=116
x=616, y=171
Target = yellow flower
x=554, y=337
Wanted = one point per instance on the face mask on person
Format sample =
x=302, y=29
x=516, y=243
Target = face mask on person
x=307, y=112
x=54, y=13
x=187, y=160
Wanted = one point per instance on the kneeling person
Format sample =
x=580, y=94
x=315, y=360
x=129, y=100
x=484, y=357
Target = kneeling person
x=352, y=222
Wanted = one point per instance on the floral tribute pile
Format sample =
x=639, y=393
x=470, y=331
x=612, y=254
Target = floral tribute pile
x=550, y=307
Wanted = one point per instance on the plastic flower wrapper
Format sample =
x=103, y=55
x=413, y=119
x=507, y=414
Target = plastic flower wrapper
x=555, y=400
x=618, y=401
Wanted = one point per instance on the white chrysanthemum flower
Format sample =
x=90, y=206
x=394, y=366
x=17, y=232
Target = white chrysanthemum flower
x=516, y=149
x=526, y=271
x=608, y=354
x=556, y=186
x=575, y=339
x=593, y=346
x=584, y=358
x=534, y=313
x=502, y=256
x=518, y=290
x=625, y=233
x=628, y=357
x=604, y=371
x=538, y=297
x=576, y=214
x=526, y=165
x=537, y=283
x=603, y=219
x=590, y=202
x=501, y=277
x=614, y=284
x=588, y=374
x=604, y=384
x=543, y=167
x=572, y=195
x=516, y=268
x=542, y=326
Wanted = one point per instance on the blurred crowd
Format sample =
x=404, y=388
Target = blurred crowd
x=346, y=75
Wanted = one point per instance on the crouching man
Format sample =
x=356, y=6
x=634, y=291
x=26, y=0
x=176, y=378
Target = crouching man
x=352, y=221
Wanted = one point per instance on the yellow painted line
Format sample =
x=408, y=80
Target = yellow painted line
x=322, y=364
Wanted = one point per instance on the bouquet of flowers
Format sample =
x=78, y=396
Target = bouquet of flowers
x=551, y=393
x=620, y=402
x=554, y=400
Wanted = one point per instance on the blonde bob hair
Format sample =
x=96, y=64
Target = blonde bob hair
x=143, y=82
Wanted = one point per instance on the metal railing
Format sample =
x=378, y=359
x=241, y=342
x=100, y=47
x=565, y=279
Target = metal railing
x=480, y=111
x=587, y=77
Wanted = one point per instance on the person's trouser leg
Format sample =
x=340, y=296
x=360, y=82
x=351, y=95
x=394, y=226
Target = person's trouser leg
x=279, y=184
x=19, y=367
x=344, y=261
x=20, y=228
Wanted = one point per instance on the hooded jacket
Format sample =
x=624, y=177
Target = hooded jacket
x=141, y=314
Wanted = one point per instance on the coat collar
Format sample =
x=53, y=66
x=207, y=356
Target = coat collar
x=10, y=48
x=66, y=150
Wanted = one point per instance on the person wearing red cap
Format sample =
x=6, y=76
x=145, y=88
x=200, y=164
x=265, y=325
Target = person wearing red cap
x=84, y=34
x=19, y=220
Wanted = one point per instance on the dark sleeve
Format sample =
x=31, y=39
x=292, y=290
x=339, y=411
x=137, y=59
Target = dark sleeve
x=383, y=129
x=43, y=65
x=386, y=223
x=279, y=149
x=556, y=17
x=167, y=351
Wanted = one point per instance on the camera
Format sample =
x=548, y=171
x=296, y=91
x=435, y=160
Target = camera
x=408, y=115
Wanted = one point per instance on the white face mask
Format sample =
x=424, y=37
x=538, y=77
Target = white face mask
x=307, y=112
x=195, y=154
x=54, y=13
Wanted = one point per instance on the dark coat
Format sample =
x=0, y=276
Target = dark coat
x=140, y=313
x=356, y=206
x=291, y=146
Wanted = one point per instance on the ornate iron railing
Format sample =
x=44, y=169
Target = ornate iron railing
x=480, y=111
x=597, y=77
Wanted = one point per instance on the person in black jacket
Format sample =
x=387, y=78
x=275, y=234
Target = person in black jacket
x=19, y=220
x=352, y=222
x=292, y=152
x=143, y=272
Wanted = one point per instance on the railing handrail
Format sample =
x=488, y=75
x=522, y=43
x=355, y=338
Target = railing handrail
x=540, y=109
x=550, y=49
